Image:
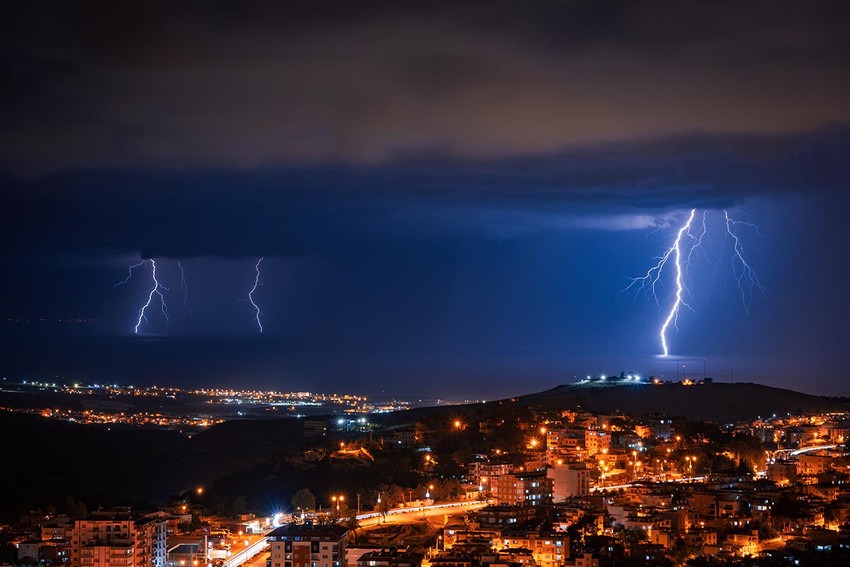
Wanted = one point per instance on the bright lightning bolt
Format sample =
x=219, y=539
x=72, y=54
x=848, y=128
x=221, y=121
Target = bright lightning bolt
x=251, y=294
x=673, y=315
x=690, y=237
x=185, y=287
x=155, y=290
x=649, y=281
x=747, y=278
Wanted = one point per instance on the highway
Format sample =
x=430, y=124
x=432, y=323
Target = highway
x=245, y=555
x=402, y=515
x=802, y=450
x=251, y=555
x=629, y=485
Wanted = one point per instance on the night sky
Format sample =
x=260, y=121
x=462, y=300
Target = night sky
x=450, y=197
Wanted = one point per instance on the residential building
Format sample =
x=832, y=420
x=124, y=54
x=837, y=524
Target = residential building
x=569, y=479
x=596, y=441
x=308, y=546
x=549, y=549
x=119, y=538
x=531, y=489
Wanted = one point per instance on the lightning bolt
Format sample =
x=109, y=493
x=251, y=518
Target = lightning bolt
x=129, y=274
x=696, y=240
x=673, y=315
x=689, y=240
x=155, y=290
x=650, y=280
x=648, y=283
x=257, y=283
x=747, y=279
x=184, y=286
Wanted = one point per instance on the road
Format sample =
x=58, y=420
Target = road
x=684, y=479
x=802, y=450
x=245, y=554
x=255, y=552
x=402, y=515
x=258, y=560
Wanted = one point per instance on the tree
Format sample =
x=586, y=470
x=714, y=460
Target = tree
x=75, y=509
x=383, y=508
x=304, y=500
x=240, y=505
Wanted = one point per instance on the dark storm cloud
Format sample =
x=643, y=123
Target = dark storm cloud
x=325, y=209
x=246, y=84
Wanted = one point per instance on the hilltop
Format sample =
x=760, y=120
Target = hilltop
x=718, y=402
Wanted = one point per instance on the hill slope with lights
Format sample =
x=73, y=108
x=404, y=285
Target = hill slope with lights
x=719, y=402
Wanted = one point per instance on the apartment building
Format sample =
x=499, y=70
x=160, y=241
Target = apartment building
x=308, y=546
x=119, y=538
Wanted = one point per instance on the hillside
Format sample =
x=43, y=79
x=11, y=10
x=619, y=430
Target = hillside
x=49, y=459
x=718, y=402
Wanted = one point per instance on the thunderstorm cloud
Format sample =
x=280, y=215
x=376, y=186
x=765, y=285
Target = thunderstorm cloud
x=310, y=127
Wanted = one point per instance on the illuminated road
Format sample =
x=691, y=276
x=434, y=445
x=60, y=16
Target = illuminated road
x=247, y=554
x=629, y=485
x=253, y=554
x=402, y=515
x=802, y=450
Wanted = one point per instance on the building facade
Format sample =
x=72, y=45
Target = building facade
x=118, y=538
x=308, y=546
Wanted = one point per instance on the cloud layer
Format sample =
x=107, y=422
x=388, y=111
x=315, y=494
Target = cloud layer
x=325, y=209
x=268, y=83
